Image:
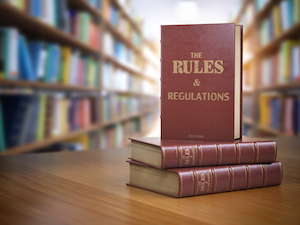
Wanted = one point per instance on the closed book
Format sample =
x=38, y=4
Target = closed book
x=201, y=82
x=14, y=110
x=2, y=138
x=9, y=52
x=25, y=62
x=184, y=182
x=36, y=53
x=168, y=153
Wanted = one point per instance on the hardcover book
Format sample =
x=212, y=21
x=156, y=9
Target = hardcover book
x=201, y=82
x=169, y=153
x=184, y=182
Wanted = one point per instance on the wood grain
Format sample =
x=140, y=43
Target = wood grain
x=89, y=187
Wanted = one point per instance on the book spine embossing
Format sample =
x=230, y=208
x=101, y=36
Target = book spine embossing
x=215, y=180
x=218, y=154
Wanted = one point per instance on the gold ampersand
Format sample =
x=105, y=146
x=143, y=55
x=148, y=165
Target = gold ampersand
x=197, y=82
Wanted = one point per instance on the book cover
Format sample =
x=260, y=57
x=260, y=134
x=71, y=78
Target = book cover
x=168, y=153
x=201, y=82
x=184, y=182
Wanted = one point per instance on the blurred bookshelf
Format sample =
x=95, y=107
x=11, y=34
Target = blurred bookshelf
x=271, y=67
x=77, y=76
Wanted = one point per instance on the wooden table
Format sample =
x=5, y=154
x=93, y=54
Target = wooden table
x=89, y=187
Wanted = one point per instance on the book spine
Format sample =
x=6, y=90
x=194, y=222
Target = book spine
x=219, y=154
x=231, y=178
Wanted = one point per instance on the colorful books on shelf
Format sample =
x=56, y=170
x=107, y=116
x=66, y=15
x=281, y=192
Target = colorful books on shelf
x=33, y=60
x=201, y=81
x=32, y=117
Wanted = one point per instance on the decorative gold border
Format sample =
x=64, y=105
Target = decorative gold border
x=201, y=151
x=249, y=184
x=211, y=181
x=220, y=154
x=235, y=156
x=266, y=180
x=246, y=177
x=194, y=155
x=196, y=161
x=281, y=172
x=197, y=182
x=240, y=153
x=176, y=155
x=228, y=179
x=193, y=183
x=216, y=180
x=262, y=172
x=216, y=148
x=180, y=156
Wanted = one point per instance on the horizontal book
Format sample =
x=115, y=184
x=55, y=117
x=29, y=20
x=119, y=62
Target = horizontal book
x=168, y=153
x=201, y=82
x=194, y=181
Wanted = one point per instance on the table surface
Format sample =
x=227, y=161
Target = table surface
x=89, y=187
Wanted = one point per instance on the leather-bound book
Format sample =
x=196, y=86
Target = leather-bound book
x=184, y=182
x=201, y=81
x=169, y=153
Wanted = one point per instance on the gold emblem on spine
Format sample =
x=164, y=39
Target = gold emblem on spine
x=253, y=152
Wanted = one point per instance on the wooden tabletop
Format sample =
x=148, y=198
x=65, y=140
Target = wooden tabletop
x=89, y=187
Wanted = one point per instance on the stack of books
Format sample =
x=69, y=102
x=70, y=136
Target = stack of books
x=201, y=149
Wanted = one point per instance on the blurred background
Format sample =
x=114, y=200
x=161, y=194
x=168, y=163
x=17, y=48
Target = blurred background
x=85, y=74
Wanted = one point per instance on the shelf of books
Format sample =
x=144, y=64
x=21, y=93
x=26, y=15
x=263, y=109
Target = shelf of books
x=71, y=73
x=271, y=69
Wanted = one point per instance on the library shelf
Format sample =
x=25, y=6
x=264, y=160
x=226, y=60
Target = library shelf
x=248, y=120
x=274, y=45
x=49, y=141
x=46, y=86
x=281, y=87
x=269, y=130
x=11, y=16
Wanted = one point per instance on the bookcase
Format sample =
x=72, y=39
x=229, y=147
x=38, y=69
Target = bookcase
x=90, y=85
x=271, y=67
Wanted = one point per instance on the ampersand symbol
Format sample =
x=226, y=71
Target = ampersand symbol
x=197, y=82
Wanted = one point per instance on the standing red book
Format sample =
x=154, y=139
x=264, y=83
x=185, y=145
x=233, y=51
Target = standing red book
x=201, y=82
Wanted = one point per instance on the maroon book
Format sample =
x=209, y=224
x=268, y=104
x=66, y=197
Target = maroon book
x=201, y=82
x=184, y=182
x=169, y=153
